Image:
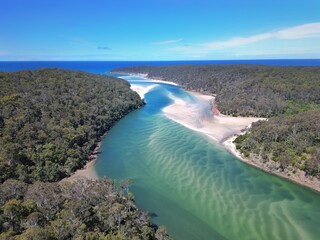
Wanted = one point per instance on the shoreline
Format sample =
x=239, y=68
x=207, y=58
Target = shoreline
x=142, y=90
x=195, y=116
x=227, y=134
x=296, y=178
x=87, y=171
x=146, y=79
x=221, y=129
x=153, y=81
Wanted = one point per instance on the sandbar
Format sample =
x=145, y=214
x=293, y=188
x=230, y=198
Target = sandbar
x=224, y=130
x=142, y=90
x=195, y=116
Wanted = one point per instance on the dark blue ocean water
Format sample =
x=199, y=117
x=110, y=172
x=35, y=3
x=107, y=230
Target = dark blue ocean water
x=103, y=67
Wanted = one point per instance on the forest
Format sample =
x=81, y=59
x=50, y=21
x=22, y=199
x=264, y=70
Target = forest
x=50, y=122
x=246, y=90
x=293, y=142
x=288, y=96
x=84, y=210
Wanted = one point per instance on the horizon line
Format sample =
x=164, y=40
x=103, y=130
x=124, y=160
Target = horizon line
x=186, y=60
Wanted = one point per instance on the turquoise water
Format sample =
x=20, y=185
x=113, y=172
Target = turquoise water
x=190, y=185
x=196, y=188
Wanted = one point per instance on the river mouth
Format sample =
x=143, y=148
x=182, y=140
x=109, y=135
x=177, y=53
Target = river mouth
x=196, y=188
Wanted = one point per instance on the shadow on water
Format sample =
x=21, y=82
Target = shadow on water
x=153, y=215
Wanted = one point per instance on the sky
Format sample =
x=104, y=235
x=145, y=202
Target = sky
x=142, y=30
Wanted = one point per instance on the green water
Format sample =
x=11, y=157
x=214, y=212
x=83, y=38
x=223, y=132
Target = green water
x=196, y=188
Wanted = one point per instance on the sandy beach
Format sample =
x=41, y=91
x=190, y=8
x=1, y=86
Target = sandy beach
x=142, y=90
x=224, y=130
x=88, y=170
x=145, y=79
x=269, y=167
x=154, y=81
x=220, y=128
x=195, y=117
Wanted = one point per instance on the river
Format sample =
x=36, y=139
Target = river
x=195, y=187
x=187, y=182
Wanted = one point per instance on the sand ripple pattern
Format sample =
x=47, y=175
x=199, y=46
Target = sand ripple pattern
x=200, y=191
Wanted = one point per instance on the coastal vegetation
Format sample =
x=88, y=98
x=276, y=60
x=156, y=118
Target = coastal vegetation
x=246, y=90
x=288, y=96
x=50, y=122
x=83, y=209
x=291, y=142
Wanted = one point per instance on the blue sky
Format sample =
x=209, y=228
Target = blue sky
x=159, y=29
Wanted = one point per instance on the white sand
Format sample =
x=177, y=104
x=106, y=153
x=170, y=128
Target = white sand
x=222, y=129
x=216, y=127
x=225, y=129
x=152, y=81
x=161, y=81
x=88, y=171
x=144, y=79
x=142, y=90
x=271, y=167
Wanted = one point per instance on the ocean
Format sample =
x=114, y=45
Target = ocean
x=105, y=66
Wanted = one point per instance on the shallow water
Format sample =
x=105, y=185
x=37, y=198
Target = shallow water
x=196, y=188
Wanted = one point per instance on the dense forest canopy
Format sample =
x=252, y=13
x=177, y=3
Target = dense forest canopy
x=247, y=90
x=83, y=209
x=50, y=120
x=292, y=142
x=288, y=96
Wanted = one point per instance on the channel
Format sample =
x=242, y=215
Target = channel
x=193, y=186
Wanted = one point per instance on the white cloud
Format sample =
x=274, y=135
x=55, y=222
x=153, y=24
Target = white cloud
x=282, y=52
x=237, y=41
x=169, y=41
x=301, y=31
x=304, y=31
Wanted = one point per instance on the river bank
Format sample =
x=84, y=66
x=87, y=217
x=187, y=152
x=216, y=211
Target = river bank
x=220, y=128
x=224, y=130
x=178, y=172
x=197, y=117
x=88, y=170
x=298, y=177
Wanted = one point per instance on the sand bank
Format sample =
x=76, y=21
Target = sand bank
x=197, y=117
x=273, y=168
x=142, y=90
x=153, y=81
x=224, y=130
x=88, y=170
x=144, y=79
